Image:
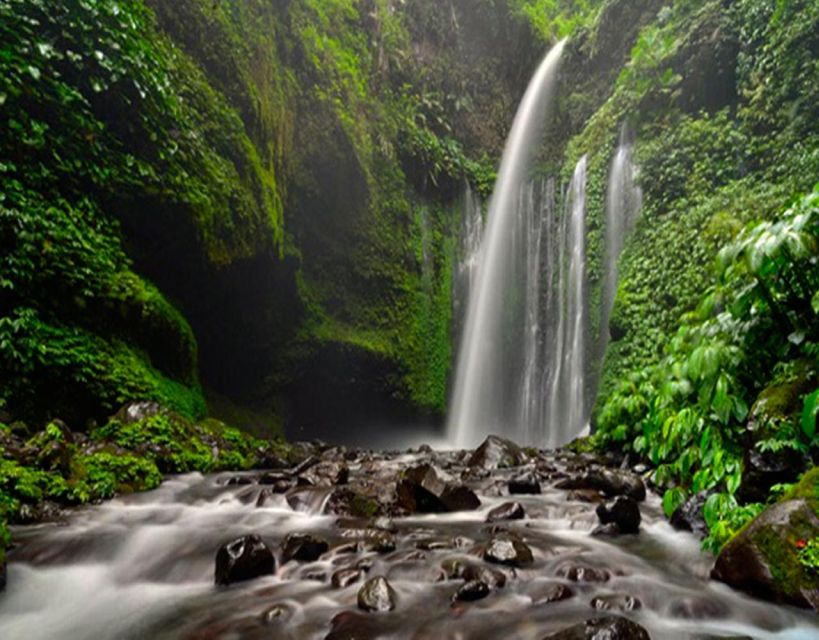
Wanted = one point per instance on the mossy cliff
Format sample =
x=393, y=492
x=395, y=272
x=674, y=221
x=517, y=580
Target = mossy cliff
x=243, y=196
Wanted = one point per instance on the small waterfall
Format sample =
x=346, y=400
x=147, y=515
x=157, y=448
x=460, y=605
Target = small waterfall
x=482, y=402
x=624, y=201
x=468, y=254
x=566, y=365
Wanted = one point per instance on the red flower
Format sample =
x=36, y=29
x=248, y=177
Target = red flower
x=801, y=544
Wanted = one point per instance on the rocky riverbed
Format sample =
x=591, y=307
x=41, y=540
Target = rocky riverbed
x=349, y=544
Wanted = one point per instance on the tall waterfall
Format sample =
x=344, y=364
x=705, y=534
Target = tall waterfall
x=483, y=401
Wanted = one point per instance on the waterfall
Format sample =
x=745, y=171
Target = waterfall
x=468, y=255
x=624, y=201
x=566, y=365
x=481, y=402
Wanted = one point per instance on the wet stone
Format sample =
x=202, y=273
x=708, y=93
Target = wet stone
x=492, y=578
x=243, y=559
x=616, y=602
x=471, y=591
x=376, y=595
x=497, y=453
x=508, y=550
x=277, y=614
x=624, y=512
x=345, y=577
x=507, y=511
x=610, y=482
x=303, y=547
x=526, y=484
x=614, y=628
x=552, y=593
x=577, y=573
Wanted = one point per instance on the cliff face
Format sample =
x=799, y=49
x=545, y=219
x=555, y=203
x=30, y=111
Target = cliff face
x=249, y=197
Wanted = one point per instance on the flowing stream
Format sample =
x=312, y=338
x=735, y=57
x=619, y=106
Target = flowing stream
x=142, y=567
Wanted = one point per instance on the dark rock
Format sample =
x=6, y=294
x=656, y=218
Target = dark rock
x=616, y=602
x=326, y=474
x=243, y=559
x=3, y=575
x=275, y=478
x=553, y=593
x=303, y=547
x=763, y=558
x=762, y=470
x=307, y=499
x=689, y=517
x=381, y=541
x=238, y=481
x=610, y=482
x=478, y=572
x=35, y=513
x=508, y=550
x=460, y=498
x=614, y=628
x=610, y=530
x=624, y=512
x=351, y=625
x=497, y=453
x=348, y=502
x=585, y=495
x=376, y=595
x=507, y=511
x=421, y=490
x=526, y=484
x=471, y=591
x=577, y=573
x=345, y=577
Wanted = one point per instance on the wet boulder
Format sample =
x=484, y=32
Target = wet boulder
x=614, y=628
x=480, y=573
x=623, y=512
x=552, y=593
x=345, y=577
x=243, y=559
x=303, y=547
x=689, y=516
x=525, y=484
x=616, y=602
x=327, y=473
x=764, y=558
x=497, y=453
x=352, y=625
x=507, y=511
x=609, y=482
x=471, y=591
x=579, y=573
x=421, y=490
x=508, y=550
x=762, y=470
x=376, y=595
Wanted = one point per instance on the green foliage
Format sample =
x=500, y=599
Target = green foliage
x=809, y=555
x=554, y=19
x=687, y=414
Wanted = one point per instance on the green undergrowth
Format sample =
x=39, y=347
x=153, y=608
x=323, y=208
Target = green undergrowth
x=737, y=374
x=124, y=455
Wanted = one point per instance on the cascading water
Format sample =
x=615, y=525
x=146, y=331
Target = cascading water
x=482, y=402
x=566, y=365
x=624, y=201
x=468, y=255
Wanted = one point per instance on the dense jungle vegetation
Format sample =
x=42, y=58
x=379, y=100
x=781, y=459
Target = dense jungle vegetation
x=213, y=208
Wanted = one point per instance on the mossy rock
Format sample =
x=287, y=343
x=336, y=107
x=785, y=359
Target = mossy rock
x=764, y=558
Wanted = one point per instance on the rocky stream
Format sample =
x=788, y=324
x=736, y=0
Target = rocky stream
x=351, y=544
